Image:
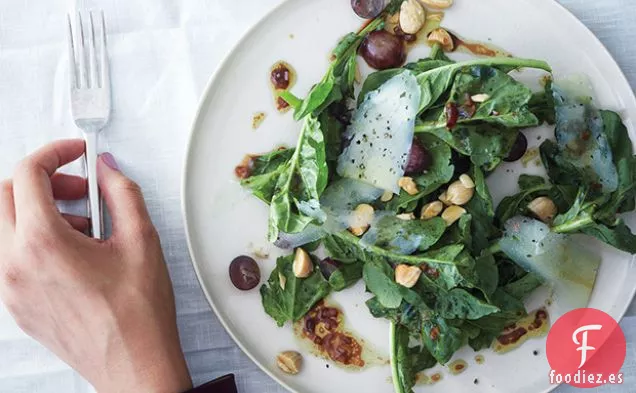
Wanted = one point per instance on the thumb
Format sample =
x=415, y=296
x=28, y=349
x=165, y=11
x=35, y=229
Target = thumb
x=123, y=198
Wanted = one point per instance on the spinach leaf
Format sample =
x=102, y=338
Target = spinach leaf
x=346, y=276
x=480, y=207
x=491, y=326
x=487, y=144
x=436, y=82
x=405, y=237
x=582, y=154
x=459, y=304
x=441, y=338
x=510, y=206
x=299, y=295
x=619, y=236
x=337, y=82
x=300, y=183
x=542, y=104
x=264, y=173
x=523, y=287
x=379, y=278
x=407, y=361
x=332, y=130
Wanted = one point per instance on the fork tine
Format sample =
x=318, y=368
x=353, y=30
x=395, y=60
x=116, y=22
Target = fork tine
x=105, y=70
x=71, y=54
x=92, y=61
x=81, y=52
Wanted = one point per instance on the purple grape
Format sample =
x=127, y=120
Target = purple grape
x=518, y=149
x=328, y=266
x=382, y=50
x=368, y=9
x=244, y=273
x=420, y=159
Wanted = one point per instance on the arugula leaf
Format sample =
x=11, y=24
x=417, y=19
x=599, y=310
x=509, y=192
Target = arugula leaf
x=337, y=83
x=301, y=182
x=436, y=82
x=299, y=295
x=265, y=172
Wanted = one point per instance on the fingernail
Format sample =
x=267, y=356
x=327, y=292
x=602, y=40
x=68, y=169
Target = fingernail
x=109, y=160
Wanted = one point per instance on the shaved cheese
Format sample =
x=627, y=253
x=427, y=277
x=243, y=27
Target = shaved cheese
x=381, y=134
x=337, y=204
x=560, y=260
x=575, y=116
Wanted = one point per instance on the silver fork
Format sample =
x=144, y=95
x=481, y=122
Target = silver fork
x=90, y=98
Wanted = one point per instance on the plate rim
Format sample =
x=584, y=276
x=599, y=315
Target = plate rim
x=197, y=119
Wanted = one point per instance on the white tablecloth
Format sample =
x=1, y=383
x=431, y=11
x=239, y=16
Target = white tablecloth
x=163, y=52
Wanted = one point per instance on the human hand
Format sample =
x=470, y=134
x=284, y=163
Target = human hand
x=104, y=307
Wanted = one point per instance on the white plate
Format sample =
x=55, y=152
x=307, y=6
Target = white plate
x=223, y=221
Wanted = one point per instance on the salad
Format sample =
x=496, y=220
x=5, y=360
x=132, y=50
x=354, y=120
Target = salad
x=389, y=175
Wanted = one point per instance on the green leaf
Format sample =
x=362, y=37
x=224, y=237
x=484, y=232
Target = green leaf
x=379, y=278
x=527, y=182
x=486, y=145
x=480, y=207
x=459, y=304
x=337, y=82
x=542, y=104
x=346, y=276
x=523, y=287
x=375, y=80
x=439, y=173
x=405, y=237
x=407, y=361
x=619, y=236
x=299, y=295
x=301, y=182
x=487, y=274
x=436, y=82
x=441, y=339
x=265, y=172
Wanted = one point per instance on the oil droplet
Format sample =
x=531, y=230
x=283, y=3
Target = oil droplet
x=457, y=367
x=282, y=77
x=536, y=324
x=479, y=359
x=436, y=377
x=258, y=119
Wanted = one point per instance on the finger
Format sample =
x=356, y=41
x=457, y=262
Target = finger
x=123, y=198
x=32, y=189
x=68, y=187
x=78, y=222
x=7, y=208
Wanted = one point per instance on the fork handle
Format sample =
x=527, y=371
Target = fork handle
x=94, y=204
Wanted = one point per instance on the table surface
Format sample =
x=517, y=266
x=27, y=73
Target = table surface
x=163, y=52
